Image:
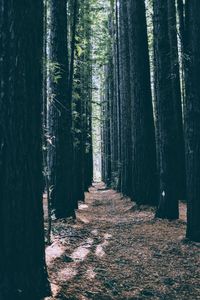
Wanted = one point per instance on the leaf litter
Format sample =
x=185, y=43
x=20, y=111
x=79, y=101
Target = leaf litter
x=116, y=250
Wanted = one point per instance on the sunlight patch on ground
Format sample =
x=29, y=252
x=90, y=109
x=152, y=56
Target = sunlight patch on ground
x=82, y=251
x=54, y=251
x=94, y=232
x=90, y=274
x=100, y=248
x=107, y=236
x=67, y=273
x=82, y=206
x=82, y=218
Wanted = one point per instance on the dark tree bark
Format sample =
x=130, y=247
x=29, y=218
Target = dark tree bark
x=144, y=176
x=78, y=193
x=86, y=78
x=104, y=148
x=61, y=109
x=112, y=122
x=181, y=32
x=82, y=121
x=118, y=96
x=176, y=93
x=73, y=45
x=192, y=121
x=44, y=120
x=111, y=112
x=22, y=258
x=77, y=119
x=165, y=118
x=125, y=101
x=115, y=140
x=181, y=16
x=107, y=128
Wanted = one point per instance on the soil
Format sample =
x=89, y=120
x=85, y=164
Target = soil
x=116, y=250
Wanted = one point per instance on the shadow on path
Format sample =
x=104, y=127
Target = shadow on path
x=115, y=251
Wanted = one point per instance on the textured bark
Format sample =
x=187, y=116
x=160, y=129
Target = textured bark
x=22, y=258
x=125, y=102
x=82, y=122
x=73, y=45
x=192, y=121
x=78, y=192
x=106, y=164
x=181, y=32
x=115, y=117
x=144, y=177
x=77, y=119
x=77, y=139
x=118, y=96
x=181, y=16
x=86, y=103
x=61, y=112
x=113, y=123
x=107, y=116
x=176, y=93
x=165, y=117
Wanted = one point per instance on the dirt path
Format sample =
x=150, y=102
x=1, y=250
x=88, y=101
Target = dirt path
x=115, y=251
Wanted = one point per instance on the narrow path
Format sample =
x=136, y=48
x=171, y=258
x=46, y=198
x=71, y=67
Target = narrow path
x=115, y=251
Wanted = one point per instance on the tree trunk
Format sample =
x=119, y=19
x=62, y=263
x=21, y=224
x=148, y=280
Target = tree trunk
x=22, y=257
x=181, y=32
x=144, y=179
x=192, y=121
x=60, y=106
x=165, y=118
x=125, y=101
x=176, y=93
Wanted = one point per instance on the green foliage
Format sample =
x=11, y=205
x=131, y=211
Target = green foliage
x=55, y=71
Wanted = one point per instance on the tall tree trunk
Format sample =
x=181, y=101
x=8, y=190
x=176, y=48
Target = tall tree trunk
x=107, y=124
x=22, y=257
x=192, y=121
x=82, y=97
x=60, y=106
x=73, y=45
x=44, y=120
x=86, y=101
x=181, y=31
x=144, y=181
x=118, y=94
x=115, y=98
x=165, y=118
x=126, y=157
x=176, y=93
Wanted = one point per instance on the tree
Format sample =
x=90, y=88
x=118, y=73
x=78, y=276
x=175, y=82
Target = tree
x=165, y=116
x=181, y=32
x=60, y=113
x=144, y=173
x=22, y=258
x=114, y=76
x=118, y=96
x=192, y=120
x=125, y=101
x=106, y=128
x=112, y=165
x=86, y=109
x=82, y=99
x=177, y=99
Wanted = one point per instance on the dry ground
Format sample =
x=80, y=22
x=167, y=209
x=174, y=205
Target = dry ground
x=116, y=251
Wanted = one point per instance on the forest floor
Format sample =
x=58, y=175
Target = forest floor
x=115, y=250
